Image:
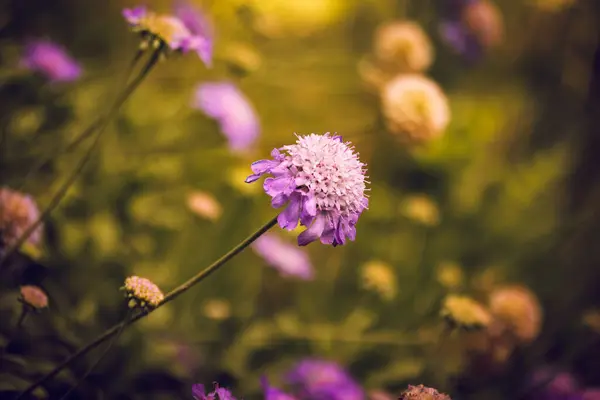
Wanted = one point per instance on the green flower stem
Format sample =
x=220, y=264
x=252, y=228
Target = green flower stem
x=169, y=297
x=69, y=182
x=104, y=353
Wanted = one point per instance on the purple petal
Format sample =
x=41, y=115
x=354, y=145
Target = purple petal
x=288, y=218
x=314, y=231
x=198, y=392
x=288, y=259
x=232, y=110
x=198, y=25
x=279, y=200
x=275, y=186
x=134, y=15
x=50, y=60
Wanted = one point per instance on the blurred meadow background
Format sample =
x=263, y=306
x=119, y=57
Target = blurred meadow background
x=475, y=269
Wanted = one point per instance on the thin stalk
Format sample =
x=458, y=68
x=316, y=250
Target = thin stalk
x=90, y=129
x=65, y=187
x=22, y=317
x=169, y=297
x=99, y=359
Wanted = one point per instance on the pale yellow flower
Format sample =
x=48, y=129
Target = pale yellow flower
x=217, y=309
x=204, y=205
x=449, y=275
x=166, y=27
x=421, y=209
x=404, y=45
x=464, y=312
x=518, y=309
x=415, y=108
x=142, y=292
x=243, y=58
x=379, y=277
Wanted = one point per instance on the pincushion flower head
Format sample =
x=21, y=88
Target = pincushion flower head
x=415, y=108
x=50, y=60
x=236, y=116
x=421, y=392
x=18, y=212
x=322, y=183
x=187, y=30
x=289, y=260
x=142, y=292
x=404, y=45
x=321, y=379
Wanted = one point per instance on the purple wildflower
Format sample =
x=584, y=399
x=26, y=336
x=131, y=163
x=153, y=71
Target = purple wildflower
x=186, y=31
x=272, y=393
x=237, y=118
x=591, y=394
x=199, y=393
x=287, y=259
x=322, y=181
x=556, y=386
x=51, y=60
x=323, y=380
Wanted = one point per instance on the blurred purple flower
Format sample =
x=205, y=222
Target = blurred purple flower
x=461, y=40
x=237, y=118
x=199, y=26
x=272, y=393
x=555, y=385
x=322, y=182
x=51, y=60
x=591, y=394
x=316, y=379
x=286, y=258
x=199, y=393
x=187, y=30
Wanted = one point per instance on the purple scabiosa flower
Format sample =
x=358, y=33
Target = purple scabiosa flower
x=186, y=31
x=199, y=393
x=317, y=379
x=287, y=259
x=272, y=393
x=236, y=116
x=322, y=181
x=50, y=60
x=555, y=385
x=18, y=211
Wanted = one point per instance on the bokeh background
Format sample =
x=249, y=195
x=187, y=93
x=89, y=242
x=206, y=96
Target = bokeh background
x=505, y=196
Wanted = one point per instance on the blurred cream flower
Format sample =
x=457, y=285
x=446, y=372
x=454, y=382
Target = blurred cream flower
x=416, y=109
x=518, y=310
x=421, y=209
x=484, y=20
x=380, y=278
x=204, y=205
x=449, y=275
x=404, y=45
x=34, y=297
x=591, y=319
x=217, y=309
x=552, y=5
x=18, y=211
x=466, y=313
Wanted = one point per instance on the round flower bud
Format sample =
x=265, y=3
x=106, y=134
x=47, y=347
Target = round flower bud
x=34, y=297
x=518, y=309
x=142, y=292
x=466, y=313
x=380, y=278
x=415, y=109
x=421, y=209
x=421, y=392
x=403, y=45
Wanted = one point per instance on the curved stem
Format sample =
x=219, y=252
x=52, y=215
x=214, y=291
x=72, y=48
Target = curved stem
x=65, y=187
x=101, y=357
x=169, y=297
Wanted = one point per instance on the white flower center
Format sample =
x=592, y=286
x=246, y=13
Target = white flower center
x=331, y=170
